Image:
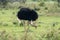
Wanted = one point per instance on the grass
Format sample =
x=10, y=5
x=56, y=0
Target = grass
x=45, y=30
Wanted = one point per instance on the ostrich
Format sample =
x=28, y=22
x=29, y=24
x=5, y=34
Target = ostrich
x=26, y=14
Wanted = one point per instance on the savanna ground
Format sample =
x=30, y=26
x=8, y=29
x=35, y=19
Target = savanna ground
x=48, y=25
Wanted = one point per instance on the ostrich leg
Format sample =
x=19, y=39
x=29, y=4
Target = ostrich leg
x=33, y=23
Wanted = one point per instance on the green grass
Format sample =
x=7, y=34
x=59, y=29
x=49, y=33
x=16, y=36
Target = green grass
x=45, y=30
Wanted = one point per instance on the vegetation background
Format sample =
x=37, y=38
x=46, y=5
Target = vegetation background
x=48, y=21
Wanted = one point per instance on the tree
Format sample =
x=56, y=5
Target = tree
x=23, y=1
x=58, y=2
x=3, y=3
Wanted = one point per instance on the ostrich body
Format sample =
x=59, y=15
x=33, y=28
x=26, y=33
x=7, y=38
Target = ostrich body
x=27, y=14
